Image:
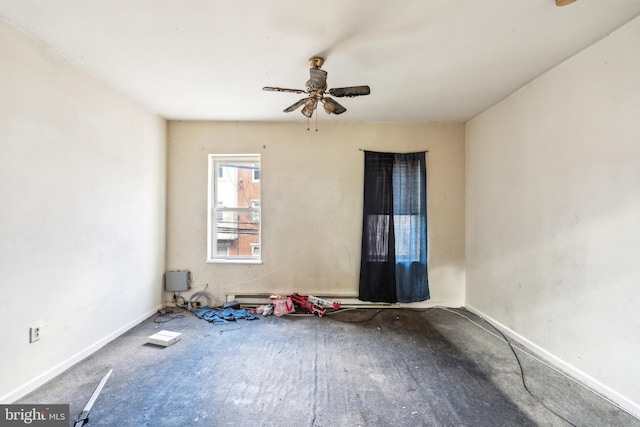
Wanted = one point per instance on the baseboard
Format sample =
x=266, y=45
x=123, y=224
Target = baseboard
x=61, y=367
x=587, y=380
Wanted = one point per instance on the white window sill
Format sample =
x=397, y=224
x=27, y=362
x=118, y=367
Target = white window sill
x=233, y=261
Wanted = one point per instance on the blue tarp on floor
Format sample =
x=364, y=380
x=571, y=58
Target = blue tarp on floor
x=222, y=316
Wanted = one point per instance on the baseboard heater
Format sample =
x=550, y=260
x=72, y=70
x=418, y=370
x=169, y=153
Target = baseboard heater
x=346, y=301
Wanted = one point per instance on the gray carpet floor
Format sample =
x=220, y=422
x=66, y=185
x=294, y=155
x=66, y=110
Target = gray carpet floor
x=364, y=367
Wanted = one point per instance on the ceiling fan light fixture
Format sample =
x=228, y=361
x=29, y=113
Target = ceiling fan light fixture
x=329, y=105
x=307, y=112
x=311, y=103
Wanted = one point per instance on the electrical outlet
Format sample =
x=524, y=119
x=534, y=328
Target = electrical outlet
x=34, y=333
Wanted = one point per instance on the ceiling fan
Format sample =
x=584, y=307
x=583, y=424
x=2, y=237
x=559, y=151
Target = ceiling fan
x=316, y=88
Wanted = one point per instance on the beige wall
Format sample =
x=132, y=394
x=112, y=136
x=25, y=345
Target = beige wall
x=82, y=217
x=311, y=203
x=553, y=214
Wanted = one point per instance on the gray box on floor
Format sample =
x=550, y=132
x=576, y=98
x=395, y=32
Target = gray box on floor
x=176, y=281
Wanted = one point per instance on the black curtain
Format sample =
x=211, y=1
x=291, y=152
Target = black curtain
x=394, y=238
x=378, y=267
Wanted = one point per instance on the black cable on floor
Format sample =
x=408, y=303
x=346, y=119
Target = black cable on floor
x=354, y=321
x=164, y=317
x=239, y=326
x=524, y=383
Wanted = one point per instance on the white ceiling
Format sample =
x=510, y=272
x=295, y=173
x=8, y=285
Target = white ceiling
x=425, y=60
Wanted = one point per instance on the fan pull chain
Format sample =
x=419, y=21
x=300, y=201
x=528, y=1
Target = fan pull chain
x=308, y=121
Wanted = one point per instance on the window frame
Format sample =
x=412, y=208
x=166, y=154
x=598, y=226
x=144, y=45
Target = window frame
x=214, y=211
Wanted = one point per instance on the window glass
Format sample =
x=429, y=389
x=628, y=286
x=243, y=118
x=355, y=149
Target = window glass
x=234, y=201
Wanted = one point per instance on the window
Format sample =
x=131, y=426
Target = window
x=255, y=248
x=233, y=225
x=256, y=213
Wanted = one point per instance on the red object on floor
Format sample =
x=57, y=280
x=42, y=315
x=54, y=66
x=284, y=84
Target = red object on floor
x=313, y=304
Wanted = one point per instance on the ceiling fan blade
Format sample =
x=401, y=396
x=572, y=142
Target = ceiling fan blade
x=280, y=89
x=331, y=106
x=318, y=78
x=350, y=91
x=294, y=106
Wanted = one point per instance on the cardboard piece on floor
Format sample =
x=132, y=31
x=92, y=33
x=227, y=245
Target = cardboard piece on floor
x=164, y=338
